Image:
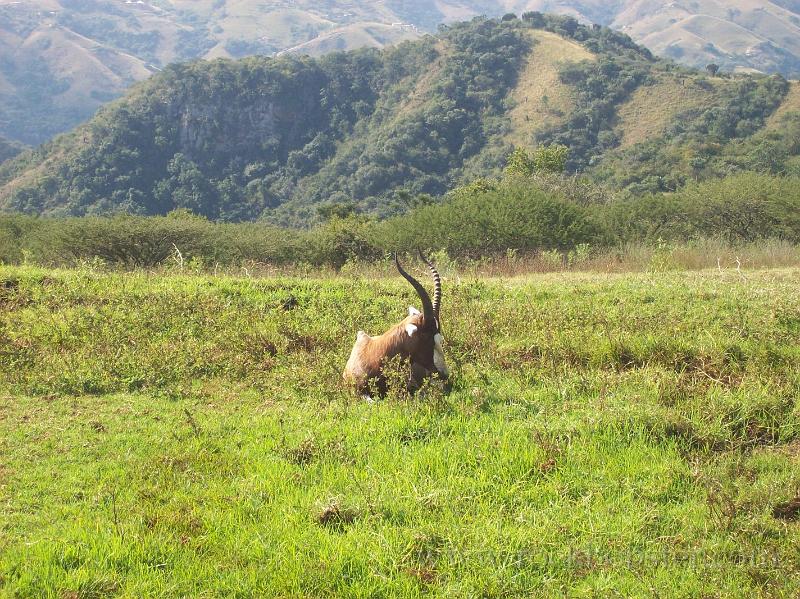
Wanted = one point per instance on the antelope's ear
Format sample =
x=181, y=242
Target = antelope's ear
x=411, y=329
x=412, y=311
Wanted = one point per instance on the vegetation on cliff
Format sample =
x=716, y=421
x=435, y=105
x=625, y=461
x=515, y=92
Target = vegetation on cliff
x=288, y=140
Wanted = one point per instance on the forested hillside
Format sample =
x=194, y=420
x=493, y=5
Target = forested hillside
x=60, y=60
x=293, y=139
x=9, y=149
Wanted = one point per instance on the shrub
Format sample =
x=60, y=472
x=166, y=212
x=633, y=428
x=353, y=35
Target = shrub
x=741, y=208
x=744, y=207
x=513, y=216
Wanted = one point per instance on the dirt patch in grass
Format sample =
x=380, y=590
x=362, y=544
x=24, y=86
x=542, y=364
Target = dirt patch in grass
x=424, y=575
x=788, y=510
x=303, y=454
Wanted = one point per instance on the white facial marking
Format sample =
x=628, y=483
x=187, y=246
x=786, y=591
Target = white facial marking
x=438, y=355
x=438, y=361
x=412, y=311
x=411, y=329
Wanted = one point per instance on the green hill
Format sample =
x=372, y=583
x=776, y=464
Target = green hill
x=60, y=60
x=275, y=138
x=9, y=149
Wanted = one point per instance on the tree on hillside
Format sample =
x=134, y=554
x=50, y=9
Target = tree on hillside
x=336, y=210
x=519, y=163
x=550, y=159
x=544, y=159
x=535, y=18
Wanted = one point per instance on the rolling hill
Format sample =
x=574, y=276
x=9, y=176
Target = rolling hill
x=62, y=59
x=276, y=138
x=736, y=34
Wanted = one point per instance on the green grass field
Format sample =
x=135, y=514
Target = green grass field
x=630, y=435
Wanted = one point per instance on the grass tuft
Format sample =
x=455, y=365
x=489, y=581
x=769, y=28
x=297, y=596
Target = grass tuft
x=336, y=516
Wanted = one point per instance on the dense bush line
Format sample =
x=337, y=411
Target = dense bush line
x=483, y=219
x=741, y=208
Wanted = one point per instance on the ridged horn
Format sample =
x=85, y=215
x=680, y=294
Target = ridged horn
x=427, y=306
x=437, y=284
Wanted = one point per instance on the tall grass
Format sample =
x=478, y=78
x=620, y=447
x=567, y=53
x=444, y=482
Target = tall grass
x=707, y=254
x=700, y=254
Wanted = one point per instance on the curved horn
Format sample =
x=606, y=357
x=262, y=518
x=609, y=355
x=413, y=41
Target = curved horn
x=427, y=307
x=437, y=284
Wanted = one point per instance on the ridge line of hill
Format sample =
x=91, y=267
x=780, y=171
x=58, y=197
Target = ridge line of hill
x=373, y=130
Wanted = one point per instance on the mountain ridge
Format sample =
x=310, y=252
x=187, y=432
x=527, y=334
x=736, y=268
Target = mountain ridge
x=380, y=129
x=63, y=59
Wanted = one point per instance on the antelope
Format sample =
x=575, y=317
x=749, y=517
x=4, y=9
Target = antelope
x=417, y=339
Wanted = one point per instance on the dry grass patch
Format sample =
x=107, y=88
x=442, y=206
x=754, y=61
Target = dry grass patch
x=540, y=100
x=350, y=37
x=336, y=516
x=421, y=92
x=652, y=107
x=791, y=103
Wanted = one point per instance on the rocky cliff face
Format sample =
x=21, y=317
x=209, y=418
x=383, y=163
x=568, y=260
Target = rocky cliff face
x=221, y=108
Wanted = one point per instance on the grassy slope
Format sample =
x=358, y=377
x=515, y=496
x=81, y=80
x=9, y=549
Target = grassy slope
x=651, y=108
x=790, y=104
x=166, y=435
x=530, y=112
x=350, y=37
x=88, y=73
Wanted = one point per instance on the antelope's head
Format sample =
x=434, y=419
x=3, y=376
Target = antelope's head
x=424, y=341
